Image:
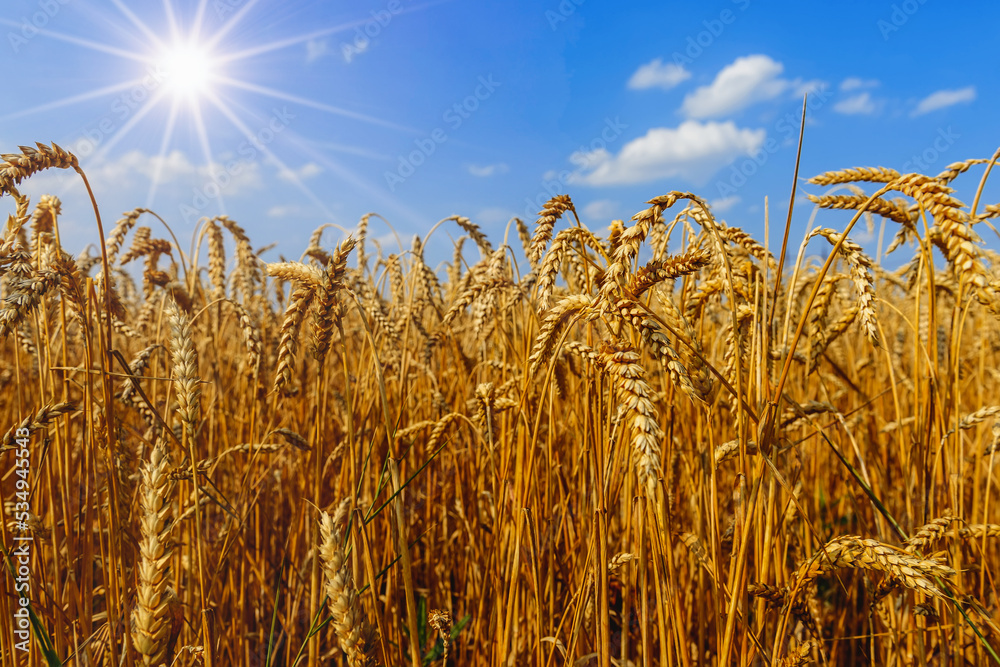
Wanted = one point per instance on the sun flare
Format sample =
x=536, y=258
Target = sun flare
x=189, y=70
x=182, y=80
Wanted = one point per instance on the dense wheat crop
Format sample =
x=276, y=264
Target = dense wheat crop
x=662, y=443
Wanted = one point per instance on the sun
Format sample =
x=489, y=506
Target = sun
x=188, y=69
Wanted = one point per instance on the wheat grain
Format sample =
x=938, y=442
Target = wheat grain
x=349, y=620
x=328, y=308
x=152, y=618
x=29, y=286
x=296, y=272
x=854, y=552
x=569, y=309
x=929, y=533
x=185, y=369
x=953, y=170
x=299, y=303
x=860, y=271
x=216, y=260
x=557, y=253
x=857, y=174
x=801, y=655
x=892, y=210
x=547, y=217
x=246, y=274
x=652, y=333
x=979, y=531
x=41, y=419
x=473, y=230
x=667, y=268
x=16, y=167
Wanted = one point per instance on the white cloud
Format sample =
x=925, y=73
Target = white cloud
x=857, y=83
x=308, y=170
x=172, y=168
x=484, y=171
x=602, y=209
x=284, y=211
x=692, y=151
x=857, y=104
x=657, y=74
x=747, y=80
x=316, y=49
x=356, y=47
x=130, y=169
x=865, y=234
x=724, y=204
x=800, y=88
x=124, y=182
x=944, y=98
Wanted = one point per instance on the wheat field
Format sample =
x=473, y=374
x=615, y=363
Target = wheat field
x=665, y=442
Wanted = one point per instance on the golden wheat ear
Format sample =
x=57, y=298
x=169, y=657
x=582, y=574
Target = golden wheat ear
x=349, y=621
x=155, y=624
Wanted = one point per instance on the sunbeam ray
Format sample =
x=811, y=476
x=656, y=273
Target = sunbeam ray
x=121, y=132
x=316, y=34
x=288, y=97
x=352, y=150
x=179, y=51
x=134, y=20
x=86, y=43
x=206, y=148
x=168, y=10
x=164, y=145
x=289, y=41
x=372, y=192
x=270, y=155
x=82, y=97
x=199, y=19
x=229, y=25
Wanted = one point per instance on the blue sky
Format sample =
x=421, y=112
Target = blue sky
x=293, y=114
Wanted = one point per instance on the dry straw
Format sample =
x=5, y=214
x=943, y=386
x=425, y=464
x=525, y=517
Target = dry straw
x=544, y=528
